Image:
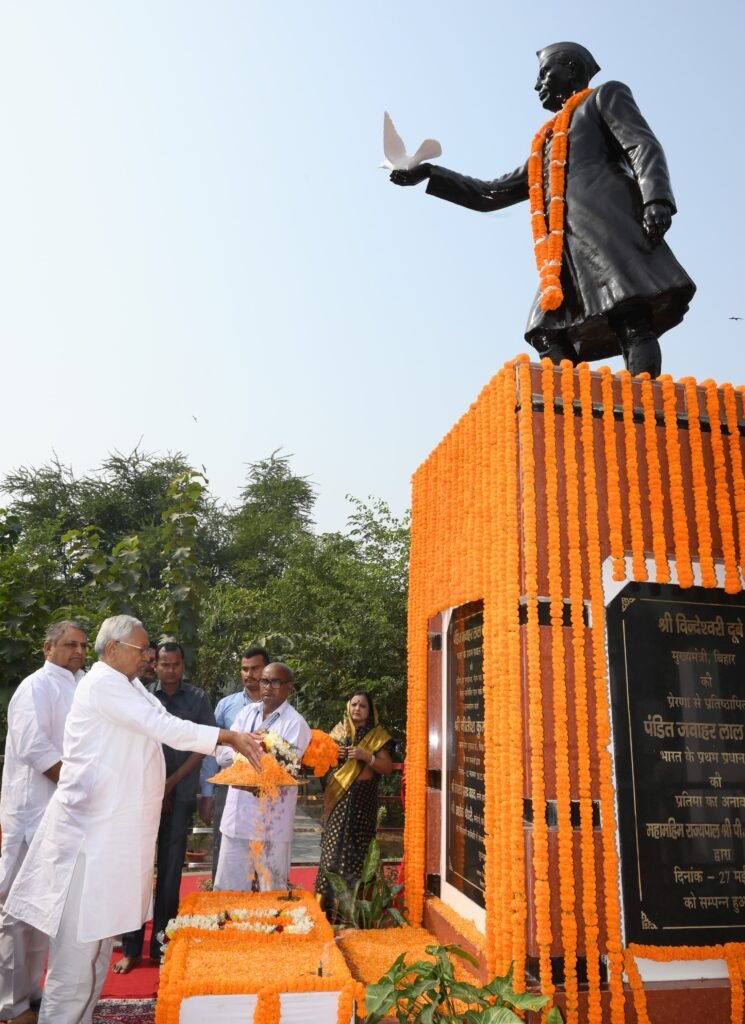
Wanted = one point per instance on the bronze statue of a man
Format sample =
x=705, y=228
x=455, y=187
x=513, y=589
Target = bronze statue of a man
x=619, y=287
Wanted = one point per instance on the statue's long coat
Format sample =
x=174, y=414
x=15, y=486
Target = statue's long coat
x=615, y=166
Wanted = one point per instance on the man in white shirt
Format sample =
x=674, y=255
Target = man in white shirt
x=33, y=757
x=257, y=834
x=212, y=800
x=88, y=874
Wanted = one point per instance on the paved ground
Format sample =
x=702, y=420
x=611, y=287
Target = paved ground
x=306, y=841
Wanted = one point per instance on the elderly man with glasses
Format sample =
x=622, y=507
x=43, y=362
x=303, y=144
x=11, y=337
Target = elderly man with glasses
x=88, y=874
x=257, y=836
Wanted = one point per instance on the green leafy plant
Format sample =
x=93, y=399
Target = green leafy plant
x=427, y=991
x=371, y=901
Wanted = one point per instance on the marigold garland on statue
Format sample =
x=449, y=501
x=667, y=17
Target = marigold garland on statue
x=548, y=233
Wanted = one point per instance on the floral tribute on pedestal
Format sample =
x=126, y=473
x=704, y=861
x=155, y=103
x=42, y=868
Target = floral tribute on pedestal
x=220, y=943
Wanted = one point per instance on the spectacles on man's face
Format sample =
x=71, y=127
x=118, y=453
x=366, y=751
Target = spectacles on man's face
x=274, y=684
x=142, y=650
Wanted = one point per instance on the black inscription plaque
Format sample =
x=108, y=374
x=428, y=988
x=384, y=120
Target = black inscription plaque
x=678, y=697
x=466, y=853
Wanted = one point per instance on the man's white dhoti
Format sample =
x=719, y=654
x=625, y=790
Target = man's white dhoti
x=241, y=861
x=77, y=970
x=256, y=834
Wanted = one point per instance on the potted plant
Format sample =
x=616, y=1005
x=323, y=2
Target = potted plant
x=196, y=851
x=371, y=902
x=428, y=991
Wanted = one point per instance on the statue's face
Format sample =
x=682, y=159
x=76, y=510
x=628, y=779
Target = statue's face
x=557, y=81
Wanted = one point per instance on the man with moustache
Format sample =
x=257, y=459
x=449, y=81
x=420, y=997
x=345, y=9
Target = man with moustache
x=212, y=799
x=33, y=758
x=148, y=674
x=88, y=874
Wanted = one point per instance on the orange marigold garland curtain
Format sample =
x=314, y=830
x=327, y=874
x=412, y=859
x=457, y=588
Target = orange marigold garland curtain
x=481, y=529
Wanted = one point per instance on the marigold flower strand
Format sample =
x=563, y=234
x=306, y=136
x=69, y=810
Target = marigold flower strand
x=654, y=483
x=492, y=873
x=558, y=685
x=514, y=730
x=735, y=463
x=700, y=489
x=541, y=888
x=579, y=662
x=499, y=946
x=678, y=511
x=548, y=232
x=638, y=562
x=610, y=872
x=721, y=490
x=615, y=522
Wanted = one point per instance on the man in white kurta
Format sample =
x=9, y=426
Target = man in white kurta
x=89, y=871
x=33, y=756
x=256, y=834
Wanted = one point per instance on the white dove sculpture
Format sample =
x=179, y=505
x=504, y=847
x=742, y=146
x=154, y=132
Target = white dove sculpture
x=396, y=157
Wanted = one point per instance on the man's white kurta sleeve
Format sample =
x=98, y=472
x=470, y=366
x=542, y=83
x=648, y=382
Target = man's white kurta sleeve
x=123, y=704
x=224, y=755
x=32, y=721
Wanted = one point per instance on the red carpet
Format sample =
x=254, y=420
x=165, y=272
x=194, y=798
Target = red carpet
x=142, y=981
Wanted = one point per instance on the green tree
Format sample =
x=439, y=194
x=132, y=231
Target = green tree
x=183, y=574
x=340, y=607
x=275, y=514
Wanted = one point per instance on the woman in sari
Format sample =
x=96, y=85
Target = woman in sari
x=351, y=795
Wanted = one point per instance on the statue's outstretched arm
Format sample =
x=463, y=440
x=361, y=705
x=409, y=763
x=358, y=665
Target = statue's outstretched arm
x=474, y=193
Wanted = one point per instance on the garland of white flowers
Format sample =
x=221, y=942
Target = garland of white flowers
x=291, y=921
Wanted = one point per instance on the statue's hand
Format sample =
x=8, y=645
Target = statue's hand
x=657, y=219
x=412, y=177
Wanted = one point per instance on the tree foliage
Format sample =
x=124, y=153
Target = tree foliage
x=143, y=535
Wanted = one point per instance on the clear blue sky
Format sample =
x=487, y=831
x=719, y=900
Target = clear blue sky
x=193, y=223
